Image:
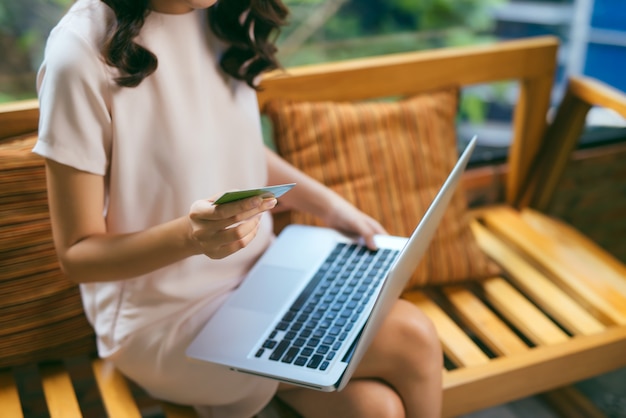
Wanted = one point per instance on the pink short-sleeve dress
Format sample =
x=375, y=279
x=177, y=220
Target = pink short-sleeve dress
x=187, y=132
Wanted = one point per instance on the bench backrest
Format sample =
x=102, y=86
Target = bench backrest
x=532, y=63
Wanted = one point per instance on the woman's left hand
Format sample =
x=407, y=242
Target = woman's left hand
x=315, y=198
x=345, y=217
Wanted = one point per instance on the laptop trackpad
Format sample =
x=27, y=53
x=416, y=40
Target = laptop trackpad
x=269, y=294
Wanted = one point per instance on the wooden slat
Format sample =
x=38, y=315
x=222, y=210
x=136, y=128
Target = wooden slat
x=591, y=255
x=543, y=368
x=59, y=391
x=571, y=403
x=178, y=411
x=9, y=397
x=456, y=344
x=564, y=268
x=523, y=314
x=534, y=284
x=482, y=321
x=116, y=395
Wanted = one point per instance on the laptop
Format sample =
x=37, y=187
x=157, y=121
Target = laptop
x=309, y=308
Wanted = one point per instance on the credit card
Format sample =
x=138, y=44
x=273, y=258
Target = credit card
x=277, y=190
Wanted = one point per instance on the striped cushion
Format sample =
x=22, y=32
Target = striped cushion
x=389, y=159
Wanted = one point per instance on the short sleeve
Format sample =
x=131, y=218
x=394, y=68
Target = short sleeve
x=74, y=98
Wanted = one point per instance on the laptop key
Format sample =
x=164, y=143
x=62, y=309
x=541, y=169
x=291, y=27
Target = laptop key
x=315, y=361
x=269, y=344
x=290, y=355
x=297, y=305
x=280, y=350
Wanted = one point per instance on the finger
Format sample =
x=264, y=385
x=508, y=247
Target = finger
x=373, y=228
x=237, y=211
x=266, y=204
x=206, y=210
x=236, y=238
x=213, y=218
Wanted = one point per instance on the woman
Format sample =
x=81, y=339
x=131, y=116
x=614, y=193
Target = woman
x=148, y=112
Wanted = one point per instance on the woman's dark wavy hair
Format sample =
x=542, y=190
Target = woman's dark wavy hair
x=233, y=21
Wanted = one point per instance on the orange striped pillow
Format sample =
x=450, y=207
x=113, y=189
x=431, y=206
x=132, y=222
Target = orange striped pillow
x=389, y=159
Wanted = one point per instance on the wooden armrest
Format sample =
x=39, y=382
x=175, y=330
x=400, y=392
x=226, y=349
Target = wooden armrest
x=562, y=136
x=18, y=118
x=597, y=93
x=512, y=373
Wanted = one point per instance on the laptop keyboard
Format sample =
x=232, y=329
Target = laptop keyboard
x=316, y=325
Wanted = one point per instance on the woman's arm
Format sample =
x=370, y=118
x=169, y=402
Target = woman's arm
x=88, y=253
x=313, y=197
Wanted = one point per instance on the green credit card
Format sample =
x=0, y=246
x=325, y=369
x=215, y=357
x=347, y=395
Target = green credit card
x=277, y=191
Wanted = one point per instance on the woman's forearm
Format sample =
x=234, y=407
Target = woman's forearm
x=309, y=195
x=86, y=250
x=107, y=257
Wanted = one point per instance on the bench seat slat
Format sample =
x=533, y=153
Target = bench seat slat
x=178, y=411
x=116, y=395
x=591, y=255
x=59, y=391
x=9, y=396
x=484, y=322
x=571, y=403
x=456, y=344
x=522, y=313
x=534, y=284
x=591, y=290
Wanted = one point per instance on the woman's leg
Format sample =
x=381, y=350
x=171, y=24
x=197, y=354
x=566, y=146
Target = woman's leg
x=361, y=398
x=400, y=375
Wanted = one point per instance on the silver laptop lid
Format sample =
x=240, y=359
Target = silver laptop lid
x=405, y=265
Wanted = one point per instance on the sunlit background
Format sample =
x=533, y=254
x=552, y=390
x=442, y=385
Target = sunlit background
x=592, y=32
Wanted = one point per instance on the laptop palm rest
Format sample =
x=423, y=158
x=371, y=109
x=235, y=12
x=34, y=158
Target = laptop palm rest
x=268, y=295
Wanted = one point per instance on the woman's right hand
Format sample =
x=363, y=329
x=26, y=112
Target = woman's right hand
x=221, y=230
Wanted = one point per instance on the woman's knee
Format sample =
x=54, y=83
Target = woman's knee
x=413, y=325
x=377, y=399
x=412, y=335
x=361, y=398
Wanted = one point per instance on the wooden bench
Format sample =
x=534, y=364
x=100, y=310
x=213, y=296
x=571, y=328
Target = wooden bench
x=557, y=317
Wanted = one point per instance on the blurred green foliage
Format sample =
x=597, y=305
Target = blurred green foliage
x=24, y=27
x=356, y=28
x=318, y=30
x=454, y=21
